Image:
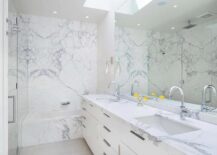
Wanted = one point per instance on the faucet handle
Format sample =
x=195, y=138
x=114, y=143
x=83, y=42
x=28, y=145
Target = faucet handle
x=185, y=110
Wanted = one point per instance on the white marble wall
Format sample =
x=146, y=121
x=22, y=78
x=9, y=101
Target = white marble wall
x=147, y=57
x=199, y=61
x=50, y=127
x=164, y=62
x=60, y=59
x=131, y=47
x=188, y=61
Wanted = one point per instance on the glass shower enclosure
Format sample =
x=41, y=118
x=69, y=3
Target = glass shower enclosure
x=12, y=85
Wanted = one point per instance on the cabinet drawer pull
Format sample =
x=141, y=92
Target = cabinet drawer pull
x=107, y=143
x=107, y=129
x=84, y=109
x=137, y=135
x=106, y=115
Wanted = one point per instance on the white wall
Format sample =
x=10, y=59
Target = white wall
x=106, y=51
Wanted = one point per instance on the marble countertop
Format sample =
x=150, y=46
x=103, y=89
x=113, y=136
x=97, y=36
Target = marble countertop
x=200, y=142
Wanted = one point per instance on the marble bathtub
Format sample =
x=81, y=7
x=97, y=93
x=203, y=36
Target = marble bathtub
x=41, y=128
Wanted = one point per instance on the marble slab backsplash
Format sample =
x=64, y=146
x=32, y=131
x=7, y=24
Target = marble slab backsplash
x=60, y=58
x=185, y=58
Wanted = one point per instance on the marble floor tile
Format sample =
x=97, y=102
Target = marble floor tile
x=73, y=147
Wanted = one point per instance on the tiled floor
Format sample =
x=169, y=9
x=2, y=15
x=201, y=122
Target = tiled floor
x=74, y=147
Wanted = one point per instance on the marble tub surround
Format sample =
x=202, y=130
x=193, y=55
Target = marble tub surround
x=58, y=59
x=159, y=60
x=43, y=128
x=200, y=142
x=73, y=147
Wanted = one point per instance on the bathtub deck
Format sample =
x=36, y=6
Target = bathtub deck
x=73, y=147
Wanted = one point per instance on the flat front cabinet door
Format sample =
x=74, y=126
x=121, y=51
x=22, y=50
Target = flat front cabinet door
x=124, y=150
x=92, y=133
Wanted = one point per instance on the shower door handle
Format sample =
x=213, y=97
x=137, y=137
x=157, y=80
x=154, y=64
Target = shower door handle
x=11, y=107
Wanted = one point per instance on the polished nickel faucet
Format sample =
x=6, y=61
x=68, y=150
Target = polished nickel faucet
x=204, y=107
x=184, y=110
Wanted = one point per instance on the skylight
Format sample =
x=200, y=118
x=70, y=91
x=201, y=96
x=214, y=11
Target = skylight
x=120, y=6
x=132, y=6
x=99, y=4
x=142, y=3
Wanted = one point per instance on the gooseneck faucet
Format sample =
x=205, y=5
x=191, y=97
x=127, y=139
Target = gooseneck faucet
x=204, y=101
x=184, y=111
x=183, y=108
x=181, y=93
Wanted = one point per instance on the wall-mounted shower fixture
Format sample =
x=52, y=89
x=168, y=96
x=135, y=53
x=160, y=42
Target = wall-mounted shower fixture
x=13, y=27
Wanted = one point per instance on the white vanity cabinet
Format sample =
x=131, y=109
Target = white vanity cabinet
x=124, y=150
x=99, y=131
x=108, y=135
x=90, y=130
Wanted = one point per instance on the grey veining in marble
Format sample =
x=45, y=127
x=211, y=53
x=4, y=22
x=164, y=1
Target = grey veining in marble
x=57, y=50
x=58, y=60
x=186, y=58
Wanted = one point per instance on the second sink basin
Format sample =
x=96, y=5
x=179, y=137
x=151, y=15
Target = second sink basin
x=167, y=125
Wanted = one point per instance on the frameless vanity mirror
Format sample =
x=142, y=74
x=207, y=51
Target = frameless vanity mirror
x=162, y=43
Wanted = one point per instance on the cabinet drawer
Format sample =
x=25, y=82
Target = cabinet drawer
x=91, y=108
x=111, y=136
x=124, y=150
x=111, y=121
x=106, y=147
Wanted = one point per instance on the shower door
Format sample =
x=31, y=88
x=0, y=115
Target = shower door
x=12, y=85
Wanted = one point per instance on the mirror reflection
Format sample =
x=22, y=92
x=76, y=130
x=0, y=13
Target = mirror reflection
x=169, y=43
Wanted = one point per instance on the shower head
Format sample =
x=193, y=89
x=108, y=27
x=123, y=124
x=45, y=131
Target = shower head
x=190, y=25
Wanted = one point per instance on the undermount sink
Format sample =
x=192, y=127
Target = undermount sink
x=108, y=99
x=167, y=125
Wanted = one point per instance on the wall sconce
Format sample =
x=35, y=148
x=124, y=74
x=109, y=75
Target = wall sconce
x=109, y=63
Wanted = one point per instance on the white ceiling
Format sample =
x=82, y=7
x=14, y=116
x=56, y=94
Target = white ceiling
x=69, y=9
x=159, y=14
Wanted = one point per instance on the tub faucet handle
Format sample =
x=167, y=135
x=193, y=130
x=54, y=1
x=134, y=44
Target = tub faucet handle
x=65, y=103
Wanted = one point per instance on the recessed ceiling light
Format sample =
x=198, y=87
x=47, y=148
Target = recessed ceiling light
x=173, y=28
x=138, y=24
x=87, y=17
x=175, y=6
x=55, y=12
